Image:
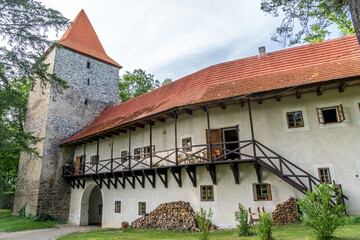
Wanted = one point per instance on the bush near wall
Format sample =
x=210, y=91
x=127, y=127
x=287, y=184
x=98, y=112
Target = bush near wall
x=6, y=200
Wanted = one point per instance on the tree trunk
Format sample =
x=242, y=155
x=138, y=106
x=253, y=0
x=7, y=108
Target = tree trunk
x=354, y=6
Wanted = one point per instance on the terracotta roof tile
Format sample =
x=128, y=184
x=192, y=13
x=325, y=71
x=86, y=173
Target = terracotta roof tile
x=328, y=60
x=81, y=37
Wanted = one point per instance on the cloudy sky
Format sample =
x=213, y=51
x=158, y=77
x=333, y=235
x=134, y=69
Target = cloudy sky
x=173, y=38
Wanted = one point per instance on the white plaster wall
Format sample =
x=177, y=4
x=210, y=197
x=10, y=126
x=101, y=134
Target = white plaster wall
x=337, y=146
x=227, y=195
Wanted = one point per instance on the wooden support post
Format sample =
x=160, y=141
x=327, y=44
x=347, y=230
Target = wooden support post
x=83, y=162
x=209, y=133
x=256, y=164
x=176, y=148
x=151, y=148
x=129, y=155
x=112, y=154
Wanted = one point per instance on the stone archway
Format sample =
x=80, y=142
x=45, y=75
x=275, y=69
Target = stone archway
x=91, y=206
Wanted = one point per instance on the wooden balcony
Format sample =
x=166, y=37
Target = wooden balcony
x=119, y=171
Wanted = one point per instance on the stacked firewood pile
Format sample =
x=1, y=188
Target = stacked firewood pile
x=169, y=216
x=285, y=213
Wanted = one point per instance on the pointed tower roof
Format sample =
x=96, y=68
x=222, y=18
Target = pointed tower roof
x=81, y=37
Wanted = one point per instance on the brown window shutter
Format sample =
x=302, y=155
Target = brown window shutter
x=320, y=115
x=341, y=113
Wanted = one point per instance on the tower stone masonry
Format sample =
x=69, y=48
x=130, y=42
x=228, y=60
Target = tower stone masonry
x=92, y=77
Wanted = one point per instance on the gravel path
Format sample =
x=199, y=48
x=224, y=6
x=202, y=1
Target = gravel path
x=46, y=234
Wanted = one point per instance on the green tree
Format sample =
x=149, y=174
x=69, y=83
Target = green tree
x=309, y=20
x=24, y=28
x=319, y=211
x=166, y=81
x=136, y=83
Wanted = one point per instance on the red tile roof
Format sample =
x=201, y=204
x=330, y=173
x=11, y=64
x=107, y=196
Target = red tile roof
x=81, y=37
x=312, y=63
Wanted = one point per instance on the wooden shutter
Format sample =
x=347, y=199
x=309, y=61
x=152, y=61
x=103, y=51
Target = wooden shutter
x=269, y=191
x=341, y=113
x=320, y=115
x=216, y=137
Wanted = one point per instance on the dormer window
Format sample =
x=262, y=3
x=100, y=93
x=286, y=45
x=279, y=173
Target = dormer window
x=88, y=64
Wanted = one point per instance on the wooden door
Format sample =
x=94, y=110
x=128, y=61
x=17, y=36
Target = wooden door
x=216, y=137
x=78, y=166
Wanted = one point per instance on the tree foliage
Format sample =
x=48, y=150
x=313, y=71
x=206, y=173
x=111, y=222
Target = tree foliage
x=24, y=29
x=319, y=211
x=309, y=20
x=137, y=83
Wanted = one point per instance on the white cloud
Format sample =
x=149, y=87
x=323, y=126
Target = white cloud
x=175, y=38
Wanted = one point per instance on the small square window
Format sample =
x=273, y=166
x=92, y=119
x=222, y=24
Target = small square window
x=123, y=156
x=206, y=193
x=186, y=144
x=142, y=208
x=146, y=151
x=137, y=153
x=117, y=206
x=324, y=175
x=94, y=159
x=88, y=64
x=328, y=115
x=295, y=119
x=262, y=191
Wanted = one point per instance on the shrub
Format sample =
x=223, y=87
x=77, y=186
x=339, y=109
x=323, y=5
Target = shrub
x=43, y=218
x=264, y=227
x=22, y=211
x=355, y=219
x=204, y=222
x=241, y=216
x=319, y=211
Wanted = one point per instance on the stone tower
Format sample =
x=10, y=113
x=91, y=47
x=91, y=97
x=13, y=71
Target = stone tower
x=92, y=77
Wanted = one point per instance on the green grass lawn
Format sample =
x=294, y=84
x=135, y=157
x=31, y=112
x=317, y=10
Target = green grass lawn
x=10, y=223
x=294, y=231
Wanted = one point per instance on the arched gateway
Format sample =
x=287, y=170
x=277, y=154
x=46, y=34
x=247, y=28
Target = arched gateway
x=91, y=206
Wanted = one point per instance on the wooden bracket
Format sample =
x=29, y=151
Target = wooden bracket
x=212, y=170
x=71, y=182
x=151, y=178
x=99, y=184
x=258, y=173
x=342, y=86
x=176, y=172
x=121, y=183
x=235, y=169
x=320, y=90
x=107, y=184
x=132, y=181
x=191, y=171
x=163, y=177
x=110, y=182
x=188, y=111
x=141, y=180
x=298, y=93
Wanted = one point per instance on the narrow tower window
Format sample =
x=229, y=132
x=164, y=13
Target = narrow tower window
x=85, y=101
x=88, y=81
x=88, y=64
